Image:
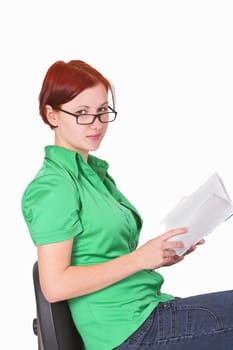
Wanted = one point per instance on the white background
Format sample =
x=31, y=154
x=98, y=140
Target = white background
x=172, y=66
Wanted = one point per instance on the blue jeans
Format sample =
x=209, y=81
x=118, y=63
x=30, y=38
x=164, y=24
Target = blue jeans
x=202, y=322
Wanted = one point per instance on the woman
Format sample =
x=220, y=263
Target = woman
x=86, y=233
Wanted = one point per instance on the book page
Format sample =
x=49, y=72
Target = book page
x=201, y=212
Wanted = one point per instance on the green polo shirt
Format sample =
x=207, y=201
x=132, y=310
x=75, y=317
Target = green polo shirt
x=69, y=198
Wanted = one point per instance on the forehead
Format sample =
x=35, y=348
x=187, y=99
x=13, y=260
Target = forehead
x=91, y=97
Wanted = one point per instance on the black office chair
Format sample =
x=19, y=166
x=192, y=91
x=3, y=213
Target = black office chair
x=53, y=325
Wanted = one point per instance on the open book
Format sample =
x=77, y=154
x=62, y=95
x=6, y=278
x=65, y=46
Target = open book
x=201, y=212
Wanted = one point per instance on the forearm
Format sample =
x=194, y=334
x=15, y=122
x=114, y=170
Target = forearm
x=60, y=280
x=75, y=281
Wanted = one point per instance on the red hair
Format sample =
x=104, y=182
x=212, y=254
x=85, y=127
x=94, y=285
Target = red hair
x=64, y=81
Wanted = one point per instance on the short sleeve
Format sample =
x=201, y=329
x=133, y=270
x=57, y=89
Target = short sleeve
x=51, y=206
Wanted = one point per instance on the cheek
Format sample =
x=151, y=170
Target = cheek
x=105, y=128
x=69, y=131
x=76, y=133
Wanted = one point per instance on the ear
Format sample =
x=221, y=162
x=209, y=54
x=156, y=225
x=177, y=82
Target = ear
x=51, y=115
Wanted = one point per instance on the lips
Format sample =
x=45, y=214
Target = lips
x=94, y=137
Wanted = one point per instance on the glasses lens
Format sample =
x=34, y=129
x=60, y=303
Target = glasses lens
x=85, y=119
x=107, y=117
x=90, y=118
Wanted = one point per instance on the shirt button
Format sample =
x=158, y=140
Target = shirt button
x=158, y=292
x=132, y=245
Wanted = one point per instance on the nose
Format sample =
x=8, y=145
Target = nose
x=97, y=123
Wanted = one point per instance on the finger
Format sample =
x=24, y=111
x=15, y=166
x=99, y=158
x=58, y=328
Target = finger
x=173, y=244
x=174, y=232
x=168, y=261
x=169, y=253
x=193, y=247
x=202, y=241
x=190, y=250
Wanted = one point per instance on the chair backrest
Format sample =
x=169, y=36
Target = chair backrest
x=53, y=325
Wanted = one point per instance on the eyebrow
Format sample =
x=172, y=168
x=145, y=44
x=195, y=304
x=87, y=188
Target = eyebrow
x=85, y=106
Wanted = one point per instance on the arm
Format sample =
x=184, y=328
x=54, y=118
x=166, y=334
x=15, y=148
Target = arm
x=60, y=280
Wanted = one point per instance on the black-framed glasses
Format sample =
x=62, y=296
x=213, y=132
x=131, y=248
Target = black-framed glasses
x=89, y=118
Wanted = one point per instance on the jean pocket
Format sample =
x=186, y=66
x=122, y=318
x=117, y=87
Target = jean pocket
x=200, y=319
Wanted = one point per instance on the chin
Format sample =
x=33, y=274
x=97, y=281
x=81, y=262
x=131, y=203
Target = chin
x=94, y=148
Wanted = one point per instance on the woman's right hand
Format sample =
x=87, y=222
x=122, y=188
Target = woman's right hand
x=158, y=252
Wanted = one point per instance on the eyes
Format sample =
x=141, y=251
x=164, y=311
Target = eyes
x=99, y=110
x=106, y=114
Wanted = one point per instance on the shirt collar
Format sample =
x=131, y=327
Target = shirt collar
x=71, y=160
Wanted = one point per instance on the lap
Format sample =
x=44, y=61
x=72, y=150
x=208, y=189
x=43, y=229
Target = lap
x=212, y=308
x=198, y=322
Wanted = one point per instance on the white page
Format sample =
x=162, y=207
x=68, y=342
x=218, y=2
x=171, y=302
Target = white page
x=201, y=212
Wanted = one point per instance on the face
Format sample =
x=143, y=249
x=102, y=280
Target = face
x=80, y=138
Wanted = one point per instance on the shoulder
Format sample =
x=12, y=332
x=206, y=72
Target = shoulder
x=51, y=185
